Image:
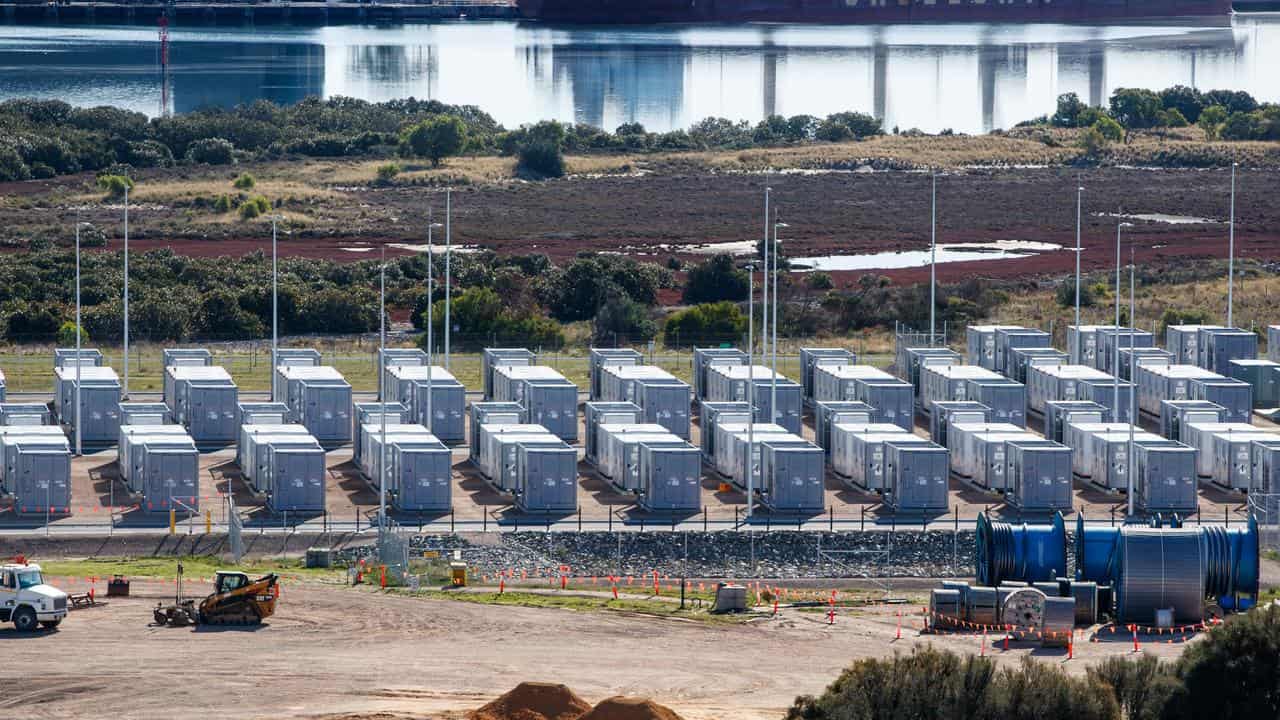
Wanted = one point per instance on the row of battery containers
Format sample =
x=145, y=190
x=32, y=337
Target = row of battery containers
x=280, y=459
x=158, y=461
x=1235, y=456
x=911, y=472
x=893, y=399
x=1032, y=472
x=418, y=471
x=1159, y=382
x=660, y=468
x=546, y=397
x=1048, y=383
x=787, y=471
x=1005, y=398
x=723, y=375
x=432, y=395
x=318, y=397
x=99, y=395
x=662, y=398
x=200, y=396
x=37, y=468
x=991, y=346
x=537, y=468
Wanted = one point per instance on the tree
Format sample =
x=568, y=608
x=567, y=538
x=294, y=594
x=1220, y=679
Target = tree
x=819, y=281
x=1111, y=130
x=704, y=324
x=220, y=316
x=622, y=317
x=114, y=185
x=437, y=137
x=1171, y=118
x=1092, y=142
x=67, y=335
x=542, y=159
x=716, y=279
x=1231, y=100
x=387, y=172
x=1135, y=108
x=245, y=181
x=211, y=151
x=845, y=125
x=1066, y=295
x=1234, y=672
x=1241, y=126
x=1186, y=100
x=1211, y=120
x=1069, y=109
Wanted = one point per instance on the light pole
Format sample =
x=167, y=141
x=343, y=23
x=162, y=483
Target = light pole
x=431, y=328
x=1231, y=249
x=126, y=291
x=773, y=382
x=382, y=395
x=1133, y=369
x=933, y=260
x=1079, y=203
x=275, y=307
x=764, y=295
x=751, y=386
x=1115, y=364
x=76, y=417
x=448, y=279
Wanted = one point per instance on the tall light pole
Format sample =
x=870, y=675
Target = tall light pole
x=764, y=295
x=1231, y=249
x=751, y=385
x=773, y=383
x=448, y=279
x=76, y=417
x=126, y=291
x=933, y=260
x=275, y=306
x=1079, y=204
x=382, y=354
x=1133, y=368
x=1115, y=364
x=431, y=328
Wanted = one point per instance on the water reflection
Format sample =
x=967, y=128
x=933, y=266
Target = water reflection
x=970, y=78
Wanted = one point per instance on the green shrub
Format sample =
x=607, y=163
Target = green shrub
x=542, y=159
x=254, y=206
x=211, y=151
x=114, y=185
x=1234, y=673
x=244, y=182
x=388, y=172
x=622, y=319
x=436, y=137
x=67, y=335
x=709, y=324
x=1066, y=294
x=715, y=279
x=223, y=203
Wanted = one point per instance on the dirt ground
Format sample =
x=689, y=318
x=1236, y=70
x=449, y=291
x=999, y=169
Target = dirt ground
x=332, y=651
x=650, y=215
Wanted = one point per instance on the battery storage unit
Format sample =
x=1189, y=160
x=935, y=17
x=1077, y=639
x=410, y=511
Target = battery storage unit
x=910, y=361
x=1183, y=342
x=599, y=358
x=1233, y=395
x=486, y=413
x=1263, y=376
x=662, y=397
x=204, y=400
x=1039, y=475
x=986, y=457
x=1111, y=339
x=134, y=441
x=36, y=471
x=1219, y=346
x=547, y=397
x=949, y=383
x=373, y=413
x=980, y=341
x=295, y=478
x=1174, y=414
x=493, y=358
x=420, y=386
x=706, y=358
x=1199, y=435
x=1059, y=413
x=916, y=477
x=377, y=450
x=546, y=479
x=839, y=382
x=497, y=451
x=396, y=357
x=1009, y=338
x=1233, y=458
x=398, y=381
x=256, y=443
x=1022, y=358
x=621, y=446
x=1132, y=357
x=99, y=399
x=259, y=413
x=1265, y=466
x=736, y=446
x=142, y=413
x=712, y=413
x=1050, y=383
x=857, y=452
x=290, y=357
x=422, y=475
x=729, y=383
x=1082, y=344
x=1164, y=477
x=947, y=413
x=19, y=413
x=319, y=398
x=181, y=357
x=1109, y=458
x=600, y=412
x=1157, y=383
x=670, y=479
x=891, y=398
x=811, y=358
x=1104, y=393
x=1006, y=398
x=169, y=477
x=70, y=357
x=829, y=412
x=791, y=477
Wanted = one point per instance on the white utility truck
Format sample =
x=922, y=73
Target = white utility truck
x=26, y=600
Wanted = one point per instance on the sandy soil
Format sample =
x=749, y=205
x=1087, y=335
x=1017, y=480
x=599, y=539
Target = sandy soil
x=332, y=650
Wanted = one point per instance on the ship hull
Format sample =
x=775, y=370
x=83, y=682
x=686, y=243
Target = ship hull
x=858, y=12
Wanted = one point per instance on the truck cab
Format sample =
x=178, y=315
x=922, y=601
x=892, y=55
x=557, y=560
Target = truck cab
x=25, y=599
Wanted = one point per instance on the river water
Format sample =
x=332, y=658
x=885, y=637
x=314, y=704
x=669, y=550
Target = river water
x=970, y=78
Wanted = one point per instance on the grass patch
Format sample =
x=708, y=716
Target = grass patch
x=579, y=603
x=167, y=568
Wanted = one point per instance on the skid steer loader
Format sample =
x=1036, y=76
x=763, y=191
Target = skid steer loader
x=236, y=600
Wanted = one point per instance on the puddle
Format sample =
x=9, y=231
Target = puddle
x=1163, y=218
x=947, y=253
x=741, y=247
x=436, y=248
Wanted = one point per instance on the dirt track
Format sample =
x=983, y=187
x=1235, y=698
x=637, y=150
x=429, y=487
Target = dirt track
x=332, y=651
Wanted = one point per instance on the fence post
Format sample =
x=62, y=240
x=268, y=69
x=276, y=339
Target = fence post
x=831, y=519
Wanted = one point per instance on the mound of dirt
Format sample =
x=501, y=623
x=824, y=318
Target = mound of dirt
x=630, y=708
x=534, y=701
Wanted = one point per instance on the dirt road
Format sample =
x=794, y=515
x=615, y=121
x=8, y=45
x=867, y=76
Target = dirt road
x=334, y=650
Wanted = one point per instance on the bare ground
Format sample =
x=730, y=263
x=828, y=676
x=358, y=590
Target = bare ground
x=333, y=651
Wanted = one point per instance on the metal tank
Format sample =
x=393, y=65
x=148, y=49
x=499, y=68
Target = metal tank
x=1158, y=569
